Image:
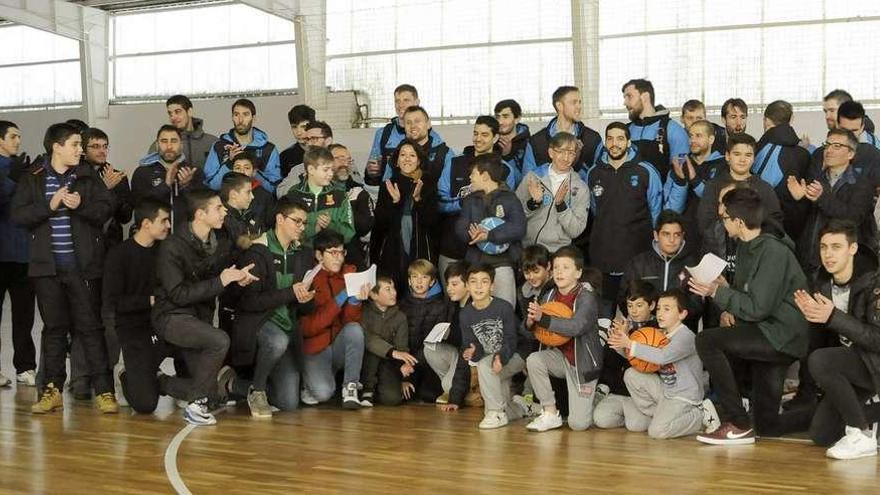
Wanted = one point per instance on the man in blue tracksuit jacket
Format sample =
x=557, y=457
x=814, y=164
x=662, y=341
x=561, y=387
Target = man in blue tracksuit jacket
x=244, y=136
x=627, y=197
x=567, y=103
x=780, y=156
x=658, y=138
x=513, y=135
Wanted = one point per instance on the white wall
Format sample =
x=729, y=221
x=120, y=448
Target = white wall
x=132, y=127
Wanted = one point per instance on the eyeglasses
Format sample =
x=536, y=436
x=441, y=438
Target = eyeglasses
x=315, y=139
x=836, y=146
x=295, y=220
x=566, y=151
x=335, y=252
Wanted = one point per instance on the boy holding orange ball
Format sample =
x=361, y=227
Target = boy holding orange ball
x=579, y=360
x=668, y=403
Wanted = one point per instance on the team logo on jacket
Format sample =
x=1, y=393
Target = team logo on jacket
x=499, y=211
x=156, y=181
x=598, y=190
x=329, y=201
x=464, y=191
x=634, y=180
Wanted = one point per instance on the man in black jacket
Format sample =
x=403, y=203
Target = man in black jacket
x=299, y=117
x=361, y=204
x=65, y=205
x=194, y=266
x=844, y=309
x=266, y=335
x=513, y=136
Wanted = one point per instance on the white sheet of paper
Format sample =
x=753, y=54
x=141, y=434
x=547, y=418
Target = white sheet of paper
x=354, y=281
x=310, y=275
x=438, y=333
x=709, y=269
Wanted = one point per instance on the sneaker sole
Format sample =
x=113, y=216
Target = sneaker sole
x=350, y=404
x=199, y=422
x=726, y=441
x=34, y=411
x=851, y=457
x=261, y=415
x=542, y=430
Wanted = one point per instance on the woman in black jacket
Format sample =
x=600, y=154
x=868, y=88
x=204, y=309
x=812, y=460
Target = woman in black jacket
x=406, y=215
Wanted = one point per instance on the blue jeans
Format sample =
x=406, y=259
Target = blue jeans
x=345, y=353
x=275, y=370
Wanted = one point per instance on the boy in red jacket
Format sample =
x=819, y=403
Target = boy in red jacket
x=333, y=338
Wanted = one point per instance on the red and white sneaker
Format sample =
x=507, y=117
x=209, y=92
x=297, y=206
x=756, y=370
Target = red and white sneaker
x=728, y=434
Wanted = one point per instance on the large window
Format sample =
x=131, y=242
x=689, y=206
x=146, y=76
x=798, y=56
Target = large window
x=759, y=50
x=38, y=69
x=462, y=55
x=219, y=49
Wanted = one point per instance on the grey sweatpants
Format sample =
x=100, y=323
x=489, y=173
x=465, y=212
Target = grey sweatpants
x=495, y=389
x=651, y=410
x=551, y=362
x=443, y=359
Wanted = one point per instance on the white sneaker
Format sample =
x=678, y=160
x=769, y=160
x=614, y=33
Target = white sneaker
x=854, y=445
x=529, y=407
x=4, y=382
x=196, y=413
x=711, y=420
x=307, y=398
x=350, y=397
x=27, y=378
x=545, y=422
x=118, y=370
x=493, y=419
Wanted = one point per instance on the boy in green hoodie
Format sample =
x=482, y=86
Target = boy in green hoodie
x=328, y=204
x=768, y=331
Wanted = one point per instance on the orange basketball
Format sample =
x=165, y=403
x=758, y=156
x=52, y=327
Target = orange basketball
x=647, y=336
x=557, y=310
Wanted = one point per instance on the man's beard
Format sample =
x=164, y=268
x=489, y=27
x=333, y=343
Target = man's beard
x=617, y=157
x=170, y=157
x=243, y=130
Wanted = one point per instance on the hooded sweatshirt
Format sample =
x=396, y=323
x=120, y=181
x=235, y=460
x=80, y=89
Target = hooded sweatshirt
x=268, y=166
x=659, y=139
x=196, y=144
x=779, y=156
x=550, y=224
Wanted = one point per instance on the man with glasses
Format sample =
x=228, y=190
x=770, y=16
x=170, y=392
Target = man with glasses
x=317, y=135
x=361, y=204
x=96, y=146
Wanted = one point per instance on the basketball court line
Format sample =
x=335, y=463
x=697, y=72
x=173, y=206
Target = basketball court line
x=171, y=457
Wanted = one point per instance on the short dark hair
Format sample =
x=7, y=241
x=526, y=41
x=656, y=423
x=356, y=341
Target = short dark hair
x=617, y=125
x=314, y=156
x=58, y=134
x=92, y=133
x=534, y=256
x=741, y=138
x=639, y=289
x=679, y=296
x=738, y=103
x=706, y=125
x=5, y=125
x=458, y=269
x=490, y=122
x=326, y=239
x=380, y=279
x=168, y=128
x=838, y=95
x=148, y=209
x=181, y=100
x=560, y=93
x=693, y=105
x=246, y=155
x=336, y=146
x=244, y=102
x=642, y=86
x=79, y=124
x=779, y=112
x=232, y=181
x=561, y=139
x=745, y=204
x=514, y=107
x=416, y=108
x=491, y=164
x=319, y=124
x=849, y=135
x=409, y=88
x=197, y=199
x=669, y=216
x=287, y=205
x=841, y=226
x=300, y=113
x=851, y=110
x=481, y=268
x=420, y=152
x=571, y=252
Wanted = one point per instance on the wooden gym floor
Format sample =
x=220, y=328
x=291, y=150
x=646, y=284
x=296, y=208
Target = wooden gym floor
x=410, y=449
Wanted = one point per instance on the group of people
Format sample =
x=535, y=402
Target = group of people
x=519, y=275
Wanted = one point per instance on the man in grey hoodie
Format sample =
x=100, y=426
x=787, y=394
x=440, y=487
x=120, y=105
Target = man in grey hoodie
x=196, y=142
